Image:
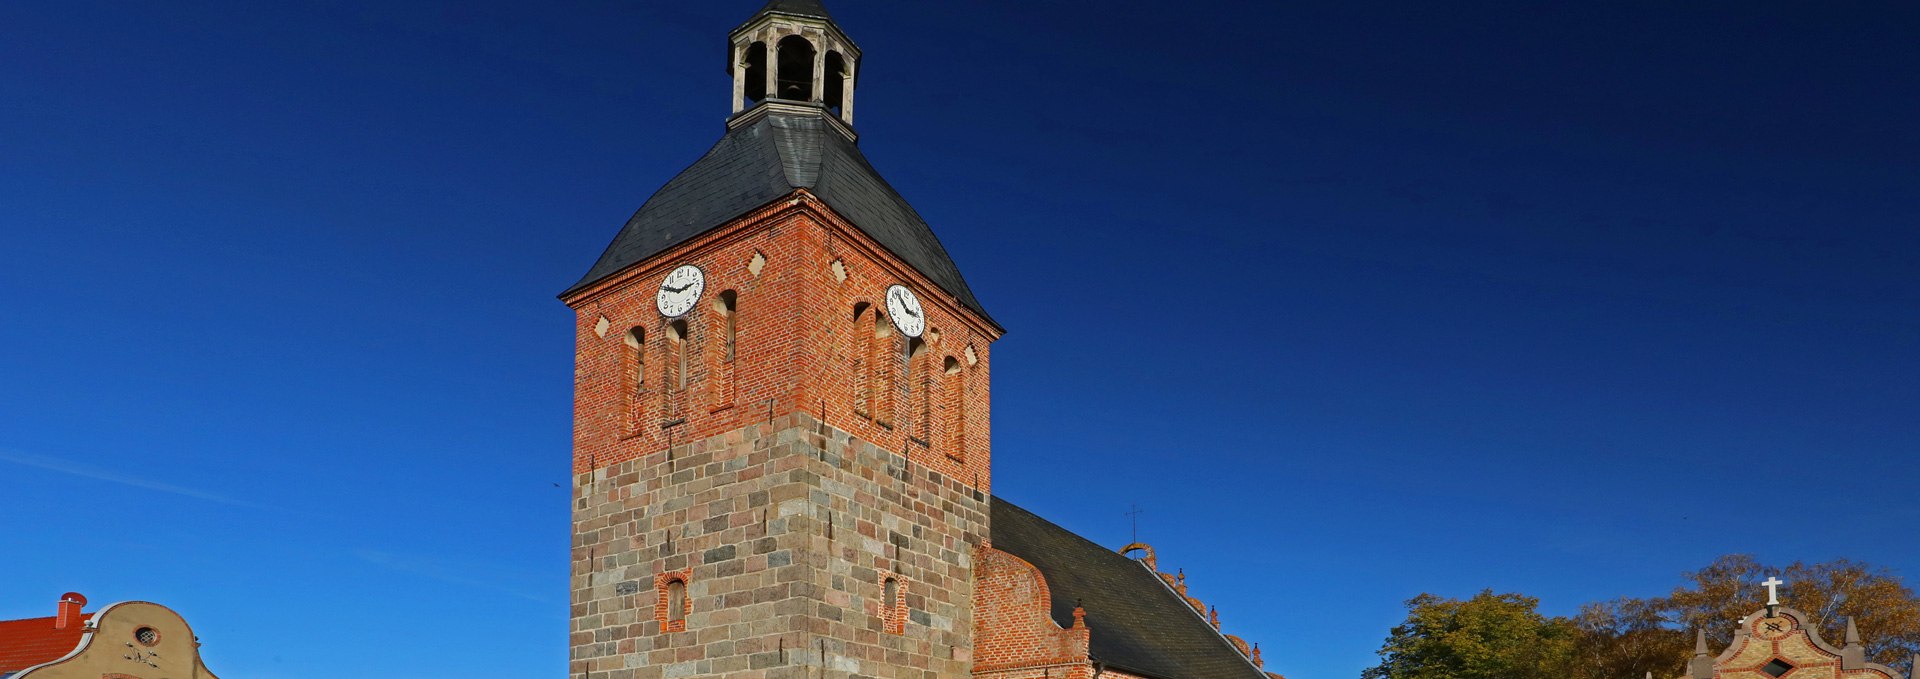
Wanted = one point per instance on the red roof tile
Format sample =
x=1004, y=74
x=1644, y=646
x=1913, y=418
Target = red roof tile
x=29, y=642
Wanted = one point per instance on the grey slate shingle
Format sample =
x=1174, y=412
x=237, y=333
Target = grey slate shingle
x=765, y=161
x=810, y=8
x=1139, y=625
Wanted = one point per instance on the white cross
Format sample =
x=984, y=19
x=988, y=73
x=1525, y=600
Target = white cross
x=1773, y=590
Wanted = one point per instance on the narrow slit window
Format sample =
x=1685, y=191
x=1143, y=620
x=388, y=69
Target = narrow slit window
x=956, y=409
x=892, y=609
x=918, y=400
x=862, y=354
x=677, y=339
x=677, y=602
x=728, y=305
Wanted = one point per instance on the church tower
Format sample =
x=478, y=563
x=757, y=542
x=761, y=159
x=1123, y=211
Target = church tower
x=781, y=433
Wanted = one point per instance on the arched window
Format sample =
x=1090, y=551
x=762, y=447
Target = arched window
x=677, y=602
x=677, y=361
x=919, y=401
x=727, y=304
x=886, y=370
x=721, y=353
x=756, y=74
x=955, y=426
x=862, y=354
x=893, y=607
x=672, y=605
x=834, y=89
x=634, y=373
x=795, y=77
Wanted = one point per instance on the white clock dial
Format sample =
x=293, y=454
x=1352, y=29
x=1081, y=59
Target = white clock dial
x=905, y=309
x=680, y=291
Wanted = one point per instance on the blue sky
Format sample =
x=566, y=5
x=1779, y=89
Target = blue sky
x=1356, y=300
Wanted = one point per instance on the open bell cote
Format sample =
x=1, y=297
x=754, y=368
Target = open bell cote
x=791, y=55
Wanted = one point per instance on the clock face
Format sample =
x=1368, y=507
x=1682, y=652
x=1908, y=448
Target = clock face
x=680, y=291
x=905, y=309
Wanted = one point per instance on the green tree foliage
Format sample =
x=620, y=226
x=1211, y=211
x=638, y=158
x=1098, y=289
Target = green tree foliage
x=1490, y=636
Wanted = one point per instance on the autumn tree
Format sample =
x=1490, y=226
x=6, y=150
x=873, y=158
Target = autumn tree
x=1490, y=636
x=1630, y=637
x=1497, y=636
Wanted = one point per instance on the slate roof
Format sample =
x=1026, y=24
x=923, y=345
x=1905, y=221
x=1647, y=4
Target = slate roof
x=29, y=642
x=809, y=8
x=764, y=161
x=1139, y=625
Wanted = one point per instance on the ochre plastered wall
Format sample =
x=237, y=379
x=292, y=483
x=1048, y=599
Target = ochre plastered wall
x=112, y=648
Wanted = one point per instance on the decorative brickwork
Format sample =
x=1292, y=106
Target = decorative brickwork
x=797, y=348
x=1778, y=643
x=1016, y=635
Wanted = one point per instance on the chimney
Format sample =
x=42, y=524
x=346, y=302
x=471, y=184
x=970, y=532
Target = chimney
x=69, y=610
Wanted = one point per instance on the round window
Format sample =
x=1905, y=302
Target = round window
x=147, y=636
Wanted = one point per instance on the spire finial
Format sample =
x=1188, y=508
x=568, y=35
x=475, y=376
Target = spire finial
x=1702, y=665
x=1854, y=656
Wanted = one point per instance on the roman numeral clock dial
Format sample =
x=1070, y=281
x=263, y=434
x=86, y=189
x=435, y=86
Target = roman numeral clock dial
x=905, y=309
x=680, y=291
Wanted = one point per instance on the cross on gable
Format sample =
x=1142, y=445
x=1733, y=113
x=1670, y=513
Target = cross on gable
x=1773, y=590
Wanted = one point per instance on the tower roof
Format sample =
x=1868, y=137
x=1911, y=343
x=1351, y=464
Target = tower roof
x=807, y=8
x=764, y=161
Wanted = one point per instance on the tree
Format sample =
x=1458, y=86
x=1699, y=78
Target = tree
x=1497, y=636
x=1630, y=637
x=1627, y=638
x=1490, y=636
x=1886, y=611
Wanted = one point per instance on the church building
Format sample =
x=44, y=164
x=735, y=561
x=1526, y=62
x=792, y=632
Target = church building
x=782, y=435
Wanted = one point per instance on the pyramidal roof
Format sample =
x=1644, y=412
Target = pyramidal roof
x=764, y=161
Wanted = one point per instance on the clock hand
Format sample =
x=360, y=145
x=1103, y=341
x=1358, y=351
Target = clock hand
x=911, y=312
x=677, y=290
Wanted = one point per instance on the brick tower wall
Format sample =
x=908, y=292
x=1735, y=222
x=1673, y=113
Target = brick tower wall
x=781, y=530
